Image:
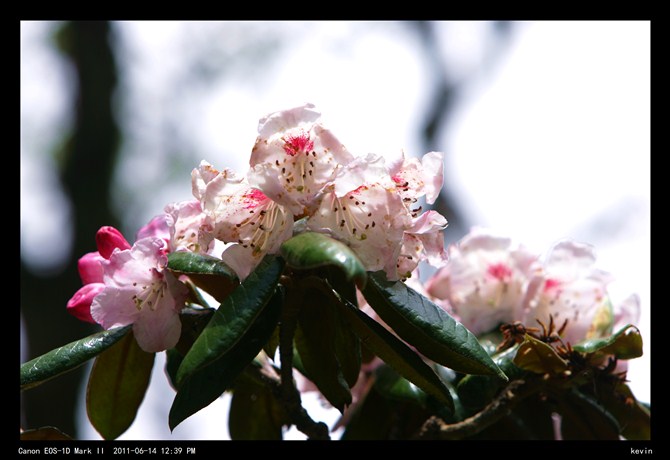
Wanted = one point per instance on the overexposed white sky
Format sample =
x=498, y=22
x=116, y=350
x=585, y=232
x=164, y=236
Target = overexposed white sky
x=550, y=142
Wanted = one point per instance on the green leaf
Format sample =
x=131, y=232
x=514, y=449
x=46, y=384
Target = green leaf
x=234, y=317
x=46, y=433
x=395, y=353
x=116, y=387
x=193, y=322
x=427, y=327
x=625, y=344
x=270, y=348
x=68, y=357
x=255, y=414
x=539, y=357
x=200, y=388
x=372, y=420
x=315, y=338
x=476, y=391
x=313, y=250
x=173, y=360
x=633, y=417
x=583, y=418
x=393, y=386
x=206, y=272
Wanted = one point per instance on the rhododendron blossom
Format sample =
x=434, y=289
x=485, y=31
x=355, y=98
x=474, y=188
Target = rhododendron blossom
x=364, y=210
x=571, y=288
x=485, y=280
x=140, y=291
x=237, y=213
x=294, y=158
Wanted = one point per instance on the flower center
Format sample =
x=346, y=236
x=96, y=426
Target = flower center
x=296, y=143
x=152, y=294
x=500, y=271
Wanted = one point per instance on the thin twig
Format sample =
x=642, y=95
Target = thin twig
x=516, y=391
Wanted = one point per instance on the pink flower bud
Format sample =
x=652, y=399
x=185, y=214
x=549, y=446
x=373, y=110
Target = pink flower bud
x=80, y=303
x=90, y=269
x=108, y=238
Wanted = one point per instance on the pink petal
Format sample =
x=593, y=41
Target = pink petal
x=108, y=238
x=80, y=303
x=157, y=227
x=90, y=268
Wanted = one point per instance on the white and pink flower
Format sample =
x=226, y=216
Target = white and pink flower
x=485, y=280
x=140, y=291
x=294, y=157
x=571, y=288
x=129, y=285
x=239, y=214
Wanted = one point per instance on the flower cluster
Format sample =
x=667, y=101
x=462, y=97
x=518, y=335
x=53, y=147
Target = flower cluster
x=301, y=178
x=489, y=280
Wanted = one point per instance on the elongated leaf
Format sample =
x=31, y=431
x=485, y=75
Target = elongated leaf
x=234, y=317
x=427, y=327
x=476, y=391
x=192, y=324
x=173, y=360
x=46, y=433
x=583, y=418
x=206, y=272
x=372, y=420
x=201, y=388
x=255, y=414
x=633, y=417
x=397, y=388
x=116, y=386
x=395, y=353
x=313, y=250
x=191, y=263
x=68, y=357
x=539, y=357
x=625, y=344
x=315, y=343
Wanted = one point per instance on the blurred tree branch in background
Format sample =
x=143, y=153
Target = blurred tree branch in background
x=87, y=160
x=441, y=103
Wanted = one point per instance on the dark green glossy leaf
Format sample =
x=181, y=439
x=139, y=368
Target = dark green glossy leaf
x=539, y=357
x=379, y=418
x=315, y=339
x=372, y=420
x=68, y=357
x=193, y=322
x=173, y=360
x=633, y=417
x=427, y=327
x=193, y=263
x=234, y=317
x=255, y=414
x=582, y=418
x=395, y=353
x=270, y=348
x=476, y=391
x=393, y=386
x=116, y=387
x=625, y=344
x=201, y=388
x=206, y=272
x=313, y=250
x=46, y=433
x=347, y=350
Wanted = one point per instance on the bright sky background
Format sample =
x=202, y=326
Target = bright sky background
x=551, y=142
